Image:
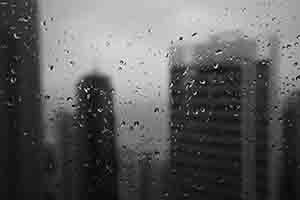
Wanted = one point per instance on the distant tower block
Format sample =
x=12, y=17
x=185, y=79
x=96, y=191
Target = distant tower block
x=66, y=155
x=96, y=141
x=218, y=123
x=291, y=171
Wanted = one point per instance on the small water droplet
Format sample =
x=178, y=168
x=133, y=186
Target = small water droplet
x=219, y=51
x=136, y=123
x=122, y=62
x=16, y=36
x=13, y=80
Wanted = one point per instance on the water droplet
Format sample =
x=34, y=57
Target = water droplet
x=16, y=36
x=13, y=80
x=136, y=123
x=122, y=62
x=202, y=82
x=219, y=51
x=216, y=66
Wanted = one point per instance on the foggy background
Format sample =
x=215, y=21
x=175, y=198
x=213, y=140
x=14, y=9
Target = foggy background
x=129, y=40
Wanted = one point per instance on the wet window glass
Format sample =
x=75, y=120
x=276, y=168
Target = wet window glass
x=119, y=100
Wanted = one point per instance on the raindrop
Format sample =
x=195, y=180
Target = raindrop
x=202, y=82
x=123, y=123
x=13, y=80
x=156, y=109
x=219, y=51
x=216, y=66
x=122, y=62
x=16, y=36
x=136, y=123
x=51, y=67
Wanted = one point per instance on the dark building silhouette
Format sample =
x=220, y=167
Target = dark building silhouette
x=96, y=141
x=219, y=123
x=20, y=172
x=290, y=174
x=60, y=161
x=146, y=171
x=66, y=147
x=51, y=172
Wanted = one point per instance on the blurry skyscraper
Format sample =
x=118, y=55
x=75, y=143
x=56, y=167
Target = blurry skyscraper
x=291, y=174
x=20, y=172
x=219, y=136
x=65, y=152
x=96, y=141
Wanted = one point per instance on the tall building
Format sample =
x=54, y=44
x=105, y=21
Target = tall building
x=66, y=141
x=21, y=173
x=96, y=141
x=60, y=160
x=219, y=123
x=291, y=173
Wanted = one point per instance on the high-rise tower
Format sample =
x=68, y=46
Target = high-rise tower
x=219, y=123
x=96, y=141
